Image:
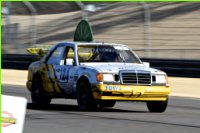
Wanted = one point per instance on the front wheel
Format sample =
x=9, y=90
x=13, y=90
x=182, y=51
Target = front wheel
x=84, y=97
x=157, y=106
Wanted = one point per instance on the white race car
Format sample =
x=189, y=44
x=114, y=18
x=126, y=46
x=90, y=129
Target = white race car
x=96, y=74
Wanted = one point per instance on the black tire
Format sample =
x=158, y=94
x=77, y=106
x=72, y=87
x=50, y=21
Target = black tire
x=157, y=106
x=37, y=93
x=107, y=103
x=85, y=98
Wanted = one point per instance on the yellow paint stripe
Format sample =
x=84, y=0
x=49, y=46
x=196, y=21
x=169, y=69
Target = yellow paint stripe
x=132, y=98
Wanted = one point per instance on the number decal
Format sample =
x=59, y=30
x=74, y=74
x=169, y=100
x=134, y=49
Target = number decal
x=64, y=76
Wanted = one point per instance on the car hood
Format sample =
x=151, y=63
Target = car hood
x=116, y=67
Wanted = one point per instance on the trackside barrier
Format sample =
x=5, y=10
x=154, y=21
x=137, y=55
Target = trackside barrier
x=13, y=114
x=173, y=67
x=17, y=61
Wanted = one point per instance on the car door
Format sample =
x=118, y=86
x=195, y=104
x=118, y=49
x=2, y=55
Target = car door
x=67, y=71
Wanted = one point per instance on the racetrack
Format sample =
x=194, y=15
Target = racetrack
x=63, y=116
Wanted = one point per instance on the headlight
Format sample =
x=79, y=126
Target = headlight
x=161, y=79
x=104, y=77
x=108, y=78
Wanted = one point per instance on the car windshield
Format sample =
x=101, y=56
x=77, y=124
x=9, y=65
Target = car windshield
x=106, y=53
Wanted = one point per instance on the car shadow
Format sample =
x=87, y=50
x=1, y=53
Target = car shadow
x=67, y=107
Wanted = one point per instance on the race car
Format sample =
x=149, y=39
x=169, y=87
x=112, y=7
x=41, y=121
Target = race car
x=97, y=74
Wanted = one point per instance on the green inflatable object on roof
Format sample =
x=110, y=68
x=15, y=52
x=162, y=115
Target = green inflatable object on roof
x=83, y=32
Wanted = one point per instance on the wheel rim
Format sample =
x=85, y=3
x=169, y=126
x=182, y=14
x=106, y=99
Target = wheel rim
x=82, y=96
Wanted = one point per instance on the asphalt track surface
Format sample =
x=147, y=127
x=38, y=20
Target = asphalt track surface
x=63, y=116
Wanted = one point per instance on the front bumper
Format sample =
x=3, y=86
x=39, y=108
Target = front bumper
x=130, y=92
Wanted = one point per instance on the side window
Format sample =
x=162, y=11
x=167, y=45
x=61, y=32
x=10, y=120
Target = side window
x=56, y=56
x=69, y=56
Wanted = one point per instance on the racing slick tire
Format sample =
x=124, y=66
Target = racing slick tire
x=85, y=98
x=37, y=94
x=157, y=106
x=107, y=103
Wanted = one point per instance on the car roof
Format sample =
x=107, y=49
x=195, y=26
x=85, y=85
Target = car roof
x=90, y=43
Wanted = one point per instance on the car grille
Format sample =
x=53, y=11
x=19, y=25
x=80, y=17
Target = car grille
x=135, y=77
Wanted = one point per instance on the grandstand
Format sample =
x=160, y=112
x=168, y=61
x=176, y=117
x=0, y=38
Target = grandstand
x=174, y=29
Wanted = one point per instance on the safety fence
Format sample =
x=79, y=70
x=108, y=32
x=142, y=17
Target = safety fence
x=173, y=27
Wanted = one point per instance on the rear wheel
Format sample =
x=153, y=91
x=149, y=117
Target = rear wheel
x=37, y=93
x=84, y=96
x=107, y=103
x=157, y=106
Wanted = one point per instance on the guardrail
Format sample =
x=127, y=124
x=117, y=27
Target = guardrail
x=173, y=67
x=17, y=61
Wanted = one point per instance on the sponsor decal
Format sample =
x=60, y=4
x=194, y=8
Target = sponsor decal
x=113, y=88
x=7, y=119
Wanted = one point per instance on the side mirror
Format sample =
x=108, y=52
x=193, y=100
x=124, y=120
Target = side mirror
x=146, y=64
x=69, y=61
